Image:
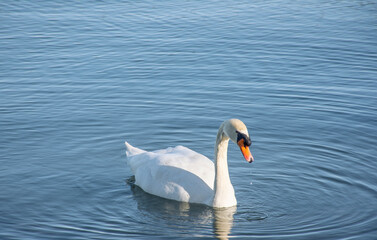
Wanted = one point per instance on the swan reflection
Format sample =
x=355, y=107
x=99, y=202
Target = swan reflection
x=185, y=216
x=223, y=221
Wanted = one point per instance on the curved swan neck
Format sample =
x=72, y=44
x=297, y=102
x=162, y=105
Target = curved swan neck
x=224, y=192
x=221, y=159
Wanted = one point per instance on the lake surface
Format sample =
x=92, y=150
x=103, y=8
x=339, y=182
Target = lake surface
x=78, y=78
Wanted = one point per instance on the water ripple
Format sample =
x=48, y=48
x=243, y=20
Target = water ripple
x=77, y=79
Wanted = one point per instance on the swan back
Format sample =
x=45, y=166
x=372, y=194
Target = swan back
x=175, y=173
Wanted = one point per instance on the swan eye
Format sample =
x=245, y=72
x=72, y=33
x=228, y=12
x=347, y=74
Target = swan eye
x=247, y=142
x=246, y=139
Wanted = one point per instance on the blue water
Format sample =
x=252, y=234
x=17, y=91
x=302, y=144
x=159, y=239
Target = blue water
x=78, y=78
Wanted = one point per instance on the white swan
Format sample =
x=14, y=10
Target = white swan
x=184, y=175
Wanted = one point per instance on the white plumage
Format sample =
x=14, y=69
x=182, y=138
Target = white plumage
x=184, y=175
x=174, y=173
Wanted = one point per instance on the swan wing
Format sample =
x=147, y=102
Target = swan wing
x=175, y=173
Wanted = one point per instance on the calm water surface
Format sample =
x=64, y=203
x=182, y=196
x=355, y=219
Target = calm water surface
x=78, y=78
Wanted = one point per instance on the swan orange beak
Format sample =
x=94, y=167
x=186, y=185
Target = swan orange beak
x=245, y=151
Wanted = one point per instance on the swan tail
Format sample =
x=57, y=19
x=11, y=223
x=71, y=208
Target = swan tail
x=130, y=150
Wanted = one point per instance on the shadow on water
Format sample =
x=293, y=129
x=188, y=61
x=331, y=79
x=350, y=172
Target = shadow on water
x=182, y=214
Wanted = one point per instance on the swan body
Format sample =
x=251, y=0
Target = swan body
x=184, y=175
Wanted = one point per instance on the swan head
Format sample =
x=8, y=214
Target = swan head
x=237, y=132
